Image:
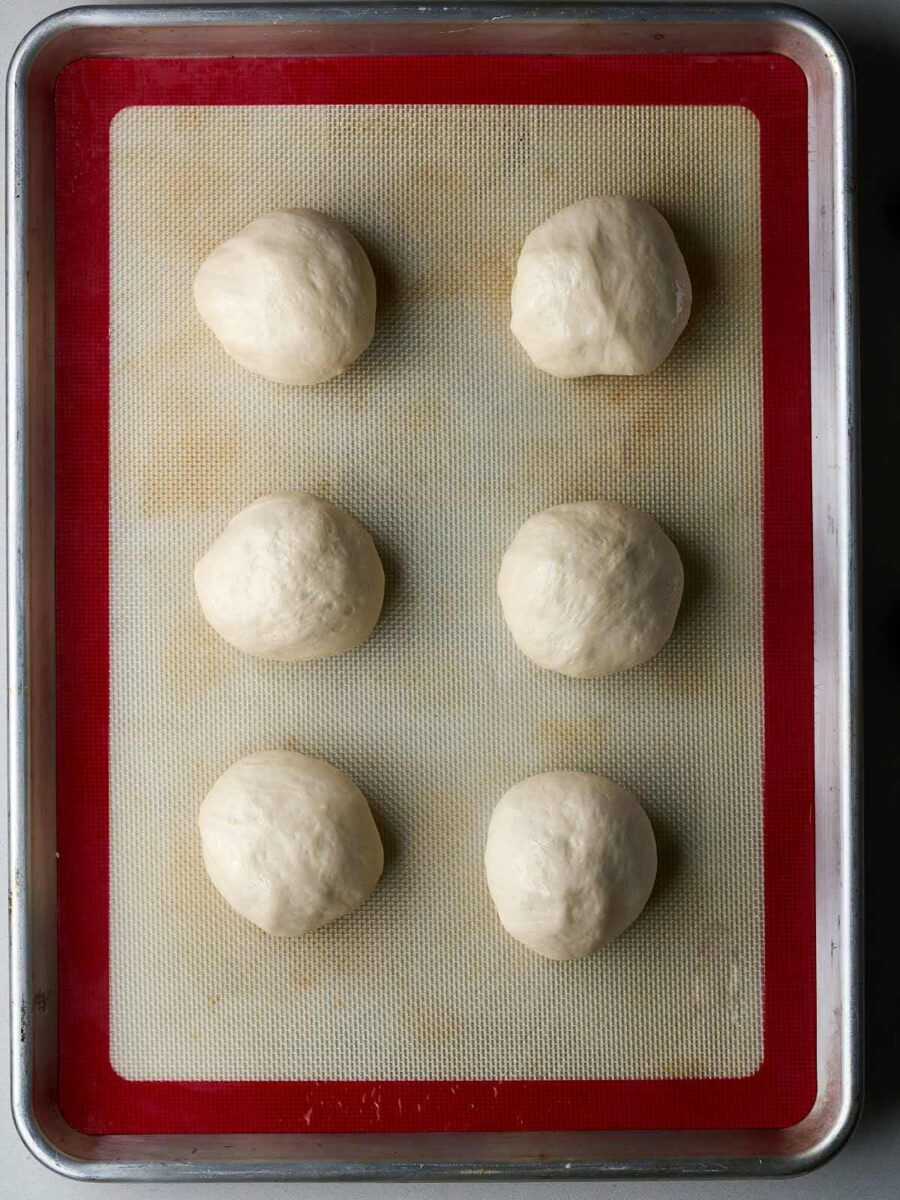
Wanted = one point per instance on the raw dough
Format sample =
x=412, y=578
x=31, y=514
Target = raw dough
x=590, y=588
x=291, y=297
x=601, y=289
x=570, y=861
x=289, y=841
x=292, y=577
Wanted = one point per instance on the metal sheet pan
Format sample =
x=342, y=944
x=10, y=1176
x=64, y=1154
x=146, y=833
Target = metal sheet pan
x=366, y=29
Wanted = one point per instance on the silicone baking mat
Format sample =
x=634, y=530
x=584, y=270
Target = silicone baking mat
x=417, y=1011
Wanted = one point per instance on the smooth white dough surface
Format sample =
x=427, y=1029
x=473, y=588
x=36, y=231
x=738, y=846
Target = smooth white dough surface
x=289, y=841
x=570, y=861
x=291, y=296
x=601, y=288
x=292, y=577
x=590, y=588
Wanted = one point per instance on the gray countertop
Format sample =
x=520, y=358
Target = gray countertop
x=869, y=1167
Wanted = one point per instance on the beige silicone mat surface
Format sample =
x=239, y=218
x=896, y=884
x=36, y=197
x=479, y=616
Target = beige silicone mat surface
x=442, y=440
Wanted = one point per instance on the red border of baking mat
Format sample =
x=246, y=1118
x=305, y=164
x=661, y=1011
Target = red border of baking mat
x=94, y=1098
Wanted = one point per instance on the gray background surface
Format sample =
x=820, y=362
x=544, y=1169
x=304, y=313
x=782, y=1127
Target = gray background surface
x=869, y=1167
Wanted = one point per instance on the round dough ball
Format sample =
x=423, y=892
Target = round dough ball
x=591, y=588
x=601, y=289
x=570, y=861
x=291, y=297
x=289, y=841
x=292, y=577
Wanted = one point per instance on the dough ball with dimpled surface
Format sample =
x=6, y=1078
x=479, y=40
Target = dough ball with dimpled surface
x=601, y=288
x=292, y=577
x=591, y=588
x=289, y=841
x=291, y=296
x=570, y=862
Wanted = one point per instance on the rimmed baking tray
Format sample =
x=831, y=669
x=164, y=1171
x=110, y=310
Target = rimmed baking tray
x=80, y=1114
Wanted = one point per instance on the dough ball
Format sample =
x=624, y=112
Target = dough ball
x=292, y=577
x=601, y=289
x=289, y=841
x=570, y=861
x=291, y=297
x=591, y=588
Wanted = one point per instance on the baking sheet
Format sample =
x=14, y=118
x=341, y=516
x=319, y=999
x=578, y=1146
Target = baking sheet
x=442, y=439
